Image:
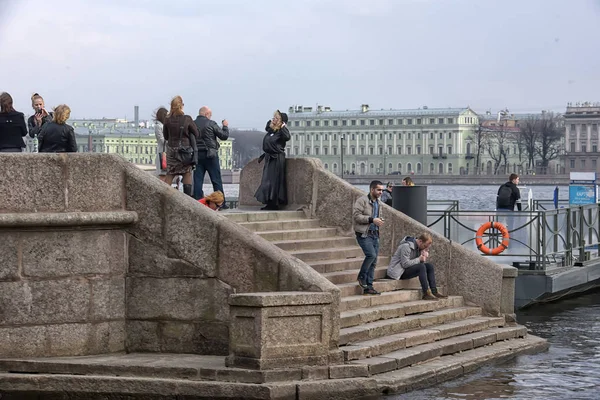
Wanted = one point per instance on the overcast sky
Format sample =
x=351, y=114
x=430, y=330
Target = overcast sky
x=247, y=58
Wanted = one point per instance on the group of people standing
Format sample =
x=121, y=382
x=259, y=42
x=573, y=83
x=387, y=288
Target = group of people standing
x=191, y=149
x=53, y=133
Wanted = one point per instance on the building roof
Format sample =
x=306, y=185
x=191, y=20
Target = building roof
x=420, y=112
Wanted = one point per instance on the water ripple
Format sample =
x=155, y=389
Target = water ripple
x=569, y=370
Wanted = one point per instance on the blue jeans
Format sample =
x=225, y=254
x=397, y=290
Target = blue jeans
x=212, y=166
x=425, y=273
x=369, y=246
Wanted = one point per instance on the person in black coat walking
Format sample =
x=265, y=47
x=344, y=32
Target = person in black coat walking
x=57, y=136
x=12, y=126
x=273, y=189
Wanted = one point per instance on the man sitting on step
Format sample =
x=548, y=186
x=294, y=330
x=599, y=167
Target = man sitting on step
x=410, y=261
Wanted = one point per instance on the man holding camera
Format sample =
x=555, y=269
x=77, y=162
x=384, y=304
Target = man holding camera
x=208, y=152
x=367, y=219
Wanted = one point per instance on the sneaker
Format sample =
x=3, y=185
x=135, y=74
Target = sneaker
x=224, y=206
x=371, y=291
x=362, y=283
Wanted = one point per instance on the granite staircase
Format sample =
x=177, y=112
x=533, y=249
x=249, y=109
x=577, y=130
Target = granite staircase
x=382, y=335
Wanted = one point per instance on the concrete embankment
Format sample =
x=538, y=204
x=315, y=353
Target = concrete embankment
x=460, y=179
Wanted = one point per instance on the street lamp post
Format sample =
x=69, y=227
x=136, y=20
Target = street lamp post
x=384, y=155
x=342, y=154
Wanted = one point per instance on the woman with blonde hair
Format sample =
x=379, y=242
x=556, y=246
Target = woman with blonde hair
x=159, y=119
x=40, y=116
x=12, y=126
x=408, y=181
x=273, y=189
x=214, y=201
x=180, y=132
x=57, y=136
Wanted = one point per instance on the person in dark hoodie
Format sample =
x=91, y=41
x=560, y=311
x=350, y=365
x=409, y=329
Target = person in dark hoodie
x=509, y=195
x=40, y=116
x=273, y=188
x=57, y=136
x=208, y=152
x=12, y=126
x=410, y=260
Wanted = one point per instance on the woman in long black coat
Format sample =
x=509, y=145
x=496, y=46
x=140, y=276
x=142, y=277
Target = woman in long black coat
x=273, y=189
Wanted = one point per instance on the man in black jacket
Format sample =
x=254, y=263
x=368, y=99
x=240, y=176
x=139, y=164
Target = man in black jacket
x=208, y=152
x=509, y=195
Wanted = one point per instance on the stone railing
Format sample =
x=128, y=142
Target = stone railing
x=171, y=262
x=329, y=198
x=62, y=282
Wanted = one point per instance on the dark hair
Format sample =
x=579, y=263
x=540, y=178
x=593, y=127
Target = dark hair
x=390, y=184
x=512, y=177
x=374, y=184
x=161, y=114
x=6, y=103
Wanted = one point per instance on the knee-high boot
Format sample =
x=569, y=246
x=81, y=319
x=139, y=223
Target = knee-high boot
x=187, y=189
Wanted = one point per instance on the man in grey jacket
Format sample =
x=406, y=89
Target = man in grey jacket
x=208, y=152
x=410, y=261
x=367, y=219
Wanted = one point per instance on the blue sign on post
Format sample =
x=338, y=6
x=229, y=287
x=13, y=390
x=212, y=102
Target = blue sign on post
x=582, y=194
x=582, y=188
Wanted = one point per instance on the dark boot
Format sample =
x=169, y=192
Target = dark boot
x=429, y=296
x=437, y=294
x=187, y=189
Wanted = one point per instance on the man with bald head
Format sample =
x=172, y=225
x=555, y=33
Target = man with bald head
x=208, y=152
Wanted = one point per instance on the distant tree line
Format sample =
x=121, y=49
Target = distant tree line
x=247, y=145
x=539, y=139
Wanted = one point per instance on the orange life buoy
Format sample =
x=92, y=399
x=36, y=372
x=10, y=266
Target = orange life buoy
x=479, y=238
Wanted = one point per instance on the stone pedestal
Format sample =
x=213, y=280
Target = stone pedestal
x=279, y=330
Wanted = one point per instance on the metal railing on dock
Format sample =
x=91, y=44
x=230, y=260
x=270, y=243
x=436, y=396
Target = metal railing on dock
x=540, y=238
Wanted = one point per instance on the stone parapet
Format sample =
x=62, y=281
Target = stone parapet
x=279, y=330
x=330, y=199
x=119, y=261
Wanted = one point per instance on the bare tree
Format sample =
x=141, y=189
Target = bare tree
x=529, y=136
x=542, y=138
x=550, y=142
x=497, y=140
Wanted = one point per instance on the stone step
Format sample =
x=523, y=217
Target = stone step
x=382, y=285
x=327, y=254
x=238, y=215
x=263, y=226
x=298, y=234
x=362, y=301
x=390, y=343
x=378, y=329
x=316, y=243
x=327, y=266
x=349, y=276
x=426, y=352
x=396, y=310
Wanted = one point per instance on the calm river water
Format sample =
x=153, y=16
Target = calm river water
x=569, y=370
x=481, y=197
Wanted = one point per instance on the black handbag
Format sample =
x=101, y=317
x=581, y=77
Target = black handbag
x=187, y=155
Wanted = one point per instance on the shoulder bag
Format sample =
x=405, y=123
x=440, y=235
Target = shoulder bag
x=187, y=155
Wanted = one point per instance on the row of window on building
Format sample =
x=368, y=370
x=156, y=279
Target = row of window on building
x=583, y=148
x=352, y=150
x=584, y=128
x=372, y=136
x=374, y=122
x=583, y=164
x=370, y=168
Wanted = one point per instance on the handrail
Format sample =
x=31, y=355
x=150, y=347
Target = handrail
x=541, y=237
